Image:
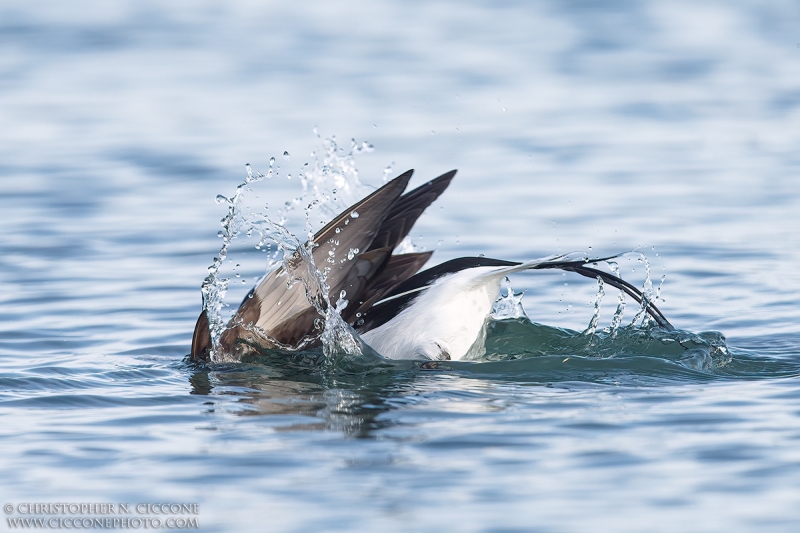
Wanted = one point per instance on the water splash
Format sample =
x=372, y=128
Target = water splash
x=215, y=286
x=510, y=305
x=647, y=294
x=331, y=183
x=329, y=186
x=406, y=246
x=616, y=320
x=598, y=300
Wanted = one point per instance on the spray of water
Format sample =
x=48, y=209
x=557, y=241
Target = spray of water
x=647, y=294
x=236, y=220
x=509, y=307
x=328, y=186
x=616, y=320
x=598, y=300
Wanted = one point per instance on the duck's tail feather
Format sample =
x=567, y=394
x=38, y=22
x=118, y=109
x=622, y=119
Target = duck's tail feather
x=617, y=282
x=579, y=267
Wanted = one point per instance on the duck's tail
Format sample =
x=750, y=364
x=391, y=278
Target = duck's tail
x=581, y=267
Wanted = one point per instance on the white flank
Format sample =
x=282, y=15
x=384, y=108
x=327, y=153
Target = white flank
x=447, y=319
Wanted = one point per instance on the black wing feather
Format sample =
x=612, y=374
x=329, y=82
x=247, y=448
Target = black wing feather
x=407, y=209
x=398, y=269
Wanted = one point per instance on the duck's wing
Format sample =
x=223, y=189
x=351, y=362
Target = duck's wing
x=347, y=250
x=377, y=271
x=339, y=250
x=398, y=269
x=347, y=237
x=408, y=209
x=278, y=308
x=394, y=229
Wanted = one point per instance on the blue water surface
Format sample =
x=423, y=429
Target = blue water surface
x=667, y=127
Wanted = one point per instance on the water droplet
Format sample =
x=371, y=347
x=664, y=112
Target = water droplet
x=220, y=199
x=387, y=172
x=354, y=214
x=220, y=233
x=249, y=170
x=271, y=161
x=286, y=155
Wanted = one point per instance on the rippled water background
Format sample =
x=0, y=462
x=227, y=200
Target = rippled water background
x=668, y=127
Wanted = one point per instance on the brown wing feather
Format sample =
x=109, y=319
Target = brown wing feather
x=355, y=234
x=360, y=277
x=277, y=309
